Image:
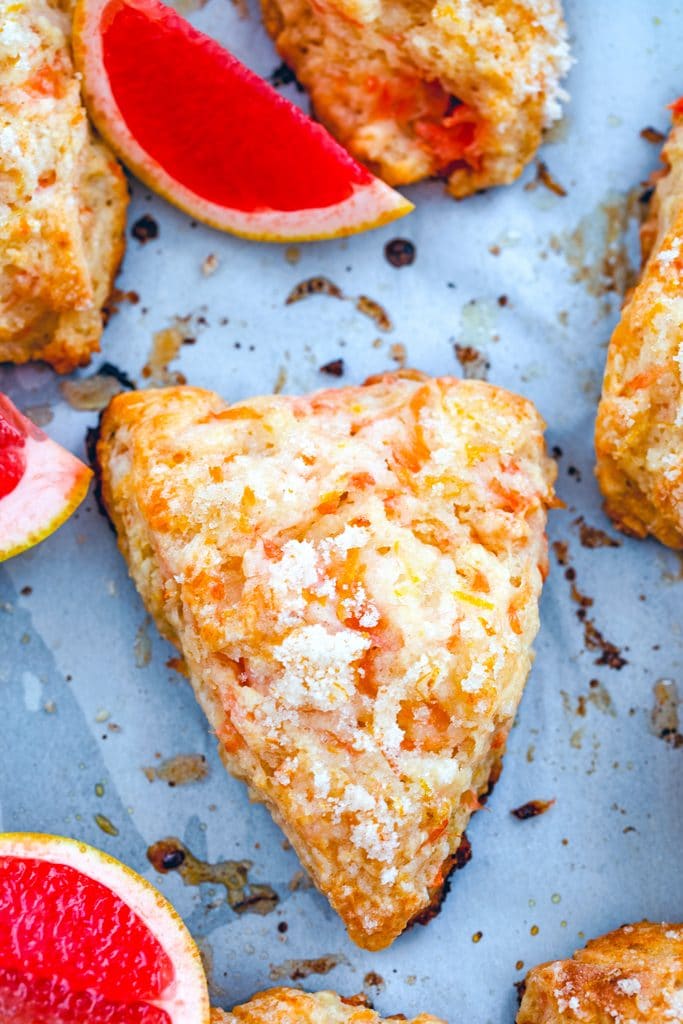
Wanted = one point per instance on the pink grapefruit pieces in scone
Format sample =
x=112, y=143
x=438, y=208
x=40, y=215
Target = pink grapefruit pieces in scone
x=291, y=1006
x=352, y=578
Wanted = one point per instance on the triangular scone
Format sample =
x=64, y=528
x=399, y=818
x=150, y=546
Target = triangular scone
x=292, y=1006
x=352, y=578
x=639, y=431
x=633, y=975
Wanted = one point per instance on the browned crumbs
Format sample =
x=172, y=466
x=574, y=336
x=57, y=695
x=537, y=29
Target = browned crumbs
x=335, y=368
x=593, y=537
x=400, y=252
x=145, y=229
x=653, y=135
x=532, y=809
x=314, y=286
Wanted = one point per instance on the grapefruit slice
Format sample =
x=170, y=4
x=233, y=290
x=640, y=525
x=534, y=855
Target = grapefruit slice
x=212, y=137
x=83, y=938
x=41, y=483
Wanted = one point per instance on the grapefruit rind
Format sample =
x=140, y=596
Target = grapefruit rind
x=188, y=1001
x=370, y=206
x=54, y=484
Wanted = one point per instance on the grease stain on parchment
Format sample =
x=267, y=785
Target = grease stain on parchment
x=243, y=896
x=180, y=770
x=665, y=717
x=217, y=991
x=164, y=350
x=324, y=286
x=41, y=414
x=186, y=7
x=672, y=574
x=600, y=697
x=105, y=824
x=33, y=691
x=597, y=249
x=296, y=970
x=90, y=394
x=478, y=321
x=166, y=346
x=142, y=647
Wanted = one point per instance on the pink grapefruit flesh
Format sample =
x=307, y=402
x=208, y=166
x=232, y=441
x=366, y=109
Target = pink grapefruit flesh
x=84, y=938
x=41, y=483
x=212, y=137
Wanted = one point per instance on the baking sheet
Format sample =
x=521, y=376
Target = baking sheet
x=87, y=699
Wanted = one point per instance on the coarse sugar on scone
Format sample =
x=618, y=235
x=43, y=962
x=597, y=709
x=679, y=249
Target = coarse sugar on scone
x=633, y=975
x=63, y=197
x=352, y=577
x=460, y=89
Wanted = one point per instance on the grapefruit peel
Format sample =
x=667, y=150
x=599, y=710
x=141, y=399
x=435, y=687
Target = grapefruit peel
x=41, y=483
x=368, y=202
x=185, y=1000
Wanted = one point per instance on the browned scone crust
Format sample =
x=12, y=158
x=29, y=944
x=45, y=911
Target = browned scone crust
x=291, y=1006
x=633, y=975
x=460, y=89
x=63, y=196
x=352, y=578
x=639, y=430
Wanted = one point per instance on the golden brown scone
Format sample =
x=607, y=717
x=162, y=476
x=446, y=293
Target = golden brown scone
x=63, y=197
x=631, y=976
x=352, y=578
x=291, y=1006
x=639, y=431
x=461, y=89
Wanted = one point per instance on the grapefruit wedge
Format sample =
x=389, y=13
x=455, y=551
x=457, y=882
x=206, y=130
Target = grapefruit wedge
x=212, y=137
x=41, y=483
x=83, y=938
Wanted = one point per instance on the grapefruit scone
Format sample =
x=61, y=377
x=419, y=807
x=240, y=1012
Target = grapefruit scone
x=460, y=89
x=639, y=431
x=63, y=197
x=633, y=975
x=352, y=578
x=291, y=1006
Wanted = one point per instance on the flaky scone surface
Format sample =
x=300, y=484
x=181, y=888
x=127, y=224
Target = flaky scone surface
x=457, y=88
x=291, y=1006
x=639, y=431
x=631, y=976
x=63, y=197
x=352, y=578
